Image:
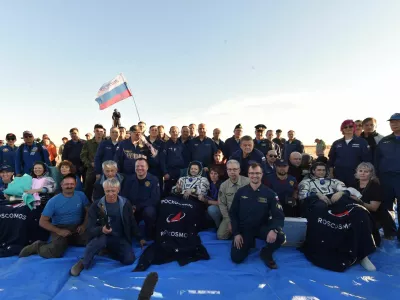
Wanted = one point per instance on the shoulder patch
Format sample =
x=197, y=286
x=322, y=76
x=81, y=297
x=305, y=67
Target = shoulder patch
x=279, y=206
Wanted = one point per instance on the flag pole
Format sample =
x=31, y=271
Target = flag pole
x=133, y=98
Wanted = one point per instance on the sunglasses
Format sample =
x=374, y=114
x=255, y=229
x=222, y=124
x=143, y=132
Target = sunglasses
x=11, y=139
x=348, y=127
x=273, y=156
x=28, y=136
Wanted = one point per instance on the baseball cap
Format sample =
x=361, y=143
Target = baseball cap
x=395, y=116
x=11, y=136
x=27, y=133
x=281, y=163
x=238, y=126
x=6, y=168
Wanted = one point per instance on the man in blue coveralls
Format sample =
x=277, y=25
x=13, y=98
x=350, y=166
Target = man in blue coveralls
x=7, y=152
x=387, y=163
x=143, y=191
x=29, y=152
x=232, y=144
x=256, y=213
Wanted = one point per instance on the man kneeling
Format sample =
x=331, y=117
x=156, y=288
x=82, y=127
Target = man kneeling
x=111, y=225
x=256, y=213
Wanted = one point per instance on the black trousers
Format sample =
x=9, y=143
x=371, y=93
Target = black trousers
x=249, y=236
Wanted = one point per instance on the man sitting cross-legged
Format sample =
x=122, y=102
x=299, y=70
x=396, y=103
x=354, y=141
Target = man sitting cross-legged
x=68, y=214
x=111, y=225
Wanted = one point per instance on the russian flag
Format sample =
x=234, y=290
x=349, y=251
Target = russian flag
x=112, y=92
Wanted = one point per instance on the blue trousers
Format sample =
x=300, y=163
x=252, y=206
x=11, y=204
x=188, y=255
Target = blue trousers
x=391, y=190
x=149, y=215
x=118, y=246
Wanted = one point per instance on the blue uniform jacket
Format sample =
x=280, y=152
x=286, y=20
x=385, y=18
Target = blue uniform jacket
x=343, y=155
x=202, y=151
x=265, y=145
x=30, y=154
x=231, y=146
x=252, y=209
x=174, y=156
x=220, y=146
x=255, y=156
x=387, y=155
x=141, y=195
x=159, y=146
x=294, y=146
x=128, y=153
x=284, y=188
x=105, y=151
x=7, y=155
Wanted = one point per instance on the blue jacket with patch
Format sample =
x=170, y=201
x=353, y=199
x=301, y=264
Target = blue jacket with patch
x=387, y=155
x=252, y=209
x=350, y=155
x=293, y=146
x=141, y=193
x=105, y=151
x=202, y=151
x=128, y=153
x=255, y=156
x=174, y=156
x=30, y=154
x=7, y=155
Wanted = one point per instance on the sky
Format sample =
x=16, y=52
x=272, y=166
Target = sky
x=302, y=65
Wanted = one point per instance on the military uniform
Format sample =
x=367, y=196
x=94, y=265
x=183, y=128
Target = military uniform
x=253, y=214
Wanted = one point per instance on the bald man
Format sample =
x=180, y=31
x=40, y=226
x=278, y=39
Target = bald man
x=295, y=166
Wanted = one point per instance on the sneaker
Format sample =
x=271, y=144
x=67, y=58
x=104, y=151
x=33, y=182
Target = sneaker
x=266, y=257
x=148, y=287
x=77, y=268
x=367, y=264
x=30, y=249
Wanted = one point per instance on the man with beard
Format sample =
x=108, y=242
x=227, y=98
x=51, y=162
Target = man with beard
x=286, y=187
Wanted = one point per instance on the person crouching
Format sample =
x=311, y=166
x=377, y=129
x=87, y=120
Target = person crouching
x=111, y=225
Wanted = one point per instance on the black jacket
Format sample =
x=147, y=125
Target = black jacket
x=96, y=223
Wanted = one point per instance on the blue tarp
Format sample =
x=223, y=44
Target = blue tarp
x=37, y=278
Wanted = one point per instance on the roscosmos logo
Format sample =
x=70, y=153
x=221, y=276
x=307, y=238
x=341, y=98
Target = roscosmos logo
x=175, y=218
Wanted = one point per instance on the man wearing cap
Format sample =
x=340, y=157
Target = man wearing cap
x=387, y=164
x=88, y=155
x=6, y=176
x=233, y=143
x=280, y=141
x=88, y=136
x=28, y=153
x=260, y=143
x=72, y=151
x=286, y=187
x=247, y=155
x=135, y=147
x=7, y=151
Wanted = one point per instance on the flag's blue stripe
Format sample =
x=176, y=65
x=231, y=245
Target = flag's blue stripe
x=109, y=95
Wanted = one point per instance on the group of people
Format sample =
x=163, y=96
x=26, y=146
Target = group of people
x=110, y=183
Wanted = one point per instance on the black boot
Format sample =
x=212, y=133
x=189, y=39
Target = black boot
x=266, y=257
